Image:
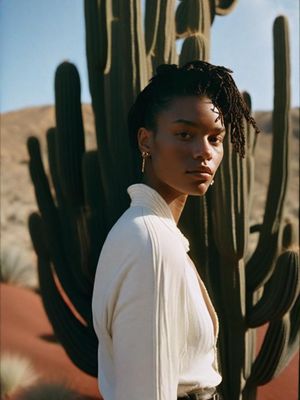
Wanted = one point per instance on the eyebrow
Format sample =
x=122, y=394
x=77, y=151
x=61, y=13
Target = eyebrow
x=195, y=125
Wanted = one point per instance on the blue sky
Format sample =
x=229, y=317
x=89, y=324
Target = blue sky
x=37, y=35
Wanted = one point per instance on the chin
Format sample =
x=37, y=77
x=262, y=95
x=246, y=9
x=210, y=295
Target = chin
x=199, y=190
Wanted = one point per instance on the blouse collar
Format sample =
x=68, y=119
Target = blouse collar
x=144, y=196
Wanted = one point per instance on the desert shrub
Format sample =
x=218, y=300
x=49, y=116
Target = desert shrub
x=49, y=391
x=14, y=270
x=16, y=372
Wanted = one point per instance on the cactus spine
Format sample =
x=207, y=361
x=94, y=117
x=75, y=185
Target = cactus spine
x=90, y=191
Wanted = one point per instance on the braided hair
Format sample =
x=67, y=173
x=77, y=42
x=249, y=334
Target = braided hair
x=196, y=78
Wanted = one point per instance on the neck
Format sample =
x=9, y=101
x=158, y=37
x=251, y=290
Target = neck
x=175, y=200
x=177, y=206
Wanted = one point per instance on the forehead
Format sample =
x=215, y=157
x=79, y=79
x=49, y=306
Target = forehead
x=198, y=109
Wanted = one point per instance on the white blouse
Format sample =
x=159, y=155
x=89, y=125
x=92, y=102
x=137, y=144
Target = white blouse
x=156, y=326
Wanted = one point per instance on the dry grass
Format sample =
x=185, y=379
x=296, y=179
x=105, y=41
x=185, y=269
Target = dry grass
x=16, y=372
x=15, y=270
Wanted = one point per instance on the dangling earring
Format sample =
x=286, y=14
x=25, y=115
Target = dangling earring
x=212, y=182
x=145, y=154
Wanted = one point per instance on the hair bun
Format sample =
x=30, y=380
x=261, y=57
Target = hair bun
x=166, y=69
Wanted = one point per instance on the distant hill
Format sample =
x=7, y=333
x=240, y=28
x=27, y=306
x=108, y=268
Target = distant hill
x=264, y=120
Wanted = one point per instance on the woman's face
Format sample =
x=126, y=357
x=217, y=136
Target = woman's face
x=186, y=149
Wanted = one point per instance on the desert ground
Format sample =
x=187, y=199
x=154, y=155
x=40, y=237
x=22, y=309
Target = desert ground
x=24, y=324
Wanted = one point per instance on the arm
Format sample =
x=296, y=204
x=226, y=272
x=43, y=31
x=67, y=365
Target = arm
x=148, y=328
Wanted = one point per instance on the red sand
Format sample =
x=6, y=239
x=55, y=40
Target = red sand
x=25, y=329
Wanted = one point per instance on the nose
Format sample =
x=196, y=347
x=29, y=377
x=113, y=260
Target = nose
x=202, y=149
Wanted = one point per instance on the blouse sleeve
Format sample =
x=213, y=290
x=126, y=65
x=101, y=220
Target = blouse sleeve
x=148, y=325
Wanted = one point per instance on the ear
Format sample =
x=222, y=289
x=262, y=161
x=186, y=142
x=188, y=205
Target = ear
x=145, y=139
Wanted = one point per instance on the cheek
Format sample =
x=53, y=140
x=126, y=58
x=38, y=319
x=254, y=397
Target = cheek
x=218, y=156
x=169, y=151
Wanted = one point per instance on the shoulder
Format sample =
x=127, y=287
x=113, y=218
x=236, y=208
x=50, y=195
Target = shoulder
x=129, y=230
x=140, y=242
x=126, y=258
x=127, y=244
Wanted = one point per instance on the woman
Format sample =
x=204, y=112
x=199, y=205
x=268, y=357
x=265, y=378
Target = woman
x=156, y=326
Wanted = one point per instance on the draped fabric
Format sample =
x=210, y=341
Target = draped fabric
x=154, y=320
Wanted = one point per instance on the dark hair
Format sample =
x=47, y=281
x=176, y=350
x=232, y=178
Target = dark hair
x=194, y=78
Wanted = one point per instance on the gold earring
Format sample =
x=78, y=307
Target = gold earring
x=145, y=154
x=212, y=182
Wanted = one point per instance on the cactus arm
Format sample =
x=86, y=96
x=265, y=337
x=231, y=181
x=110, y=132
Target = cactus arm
x=151, y=25
x=193, y=16
x=98, y=27
x=39, y=178
x=133, y=52
x=51, y=146
x=267, y=248
x=194, y=48
x=70, y=134
x=272, y=349
x=280, y=292
x=294, y=338
x=224, y=7
x=51, y=222
x=73, y=230
x=289, y=235
x=165, y=34
x=187, y=18
x=78, y=226
x=93, y=194
x=128, y=50
x=69, y=150
x=78, y=339
x=228, y=194
x=96, y=215
x=250, y=145
x=193, y=21
x=206, y=20
x=98, y=17
x=221, y=196
x=280, y=344
x=295, y=322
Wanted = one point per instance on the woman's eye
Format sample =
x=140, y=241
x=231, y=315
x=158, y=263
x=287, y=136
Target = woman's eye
x=216, y=139
x=184, y=135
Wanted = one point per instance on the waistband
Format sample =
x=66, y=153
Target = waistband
x=201, y=396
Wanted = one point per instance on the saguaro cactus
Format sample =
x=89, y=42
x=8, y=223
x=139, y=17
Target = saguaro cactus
x=90, y=187
x=233, y=277
x=90, y=194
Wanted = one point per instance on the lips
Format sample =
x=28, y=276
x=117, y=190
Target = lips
x=200, y=171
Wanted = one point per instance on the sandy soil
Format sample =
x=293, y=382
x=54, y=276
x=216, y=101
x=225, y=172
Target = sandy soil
x=26, y=330
x=17, y=202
